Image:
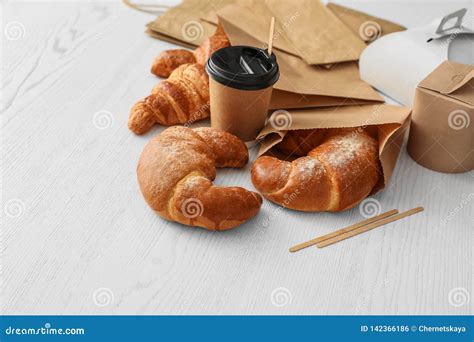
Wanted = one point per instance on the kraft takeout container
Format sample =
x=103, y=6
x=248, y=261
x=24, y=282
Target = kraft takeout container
x=442, y=129
x=396, y=63
x=391, y=122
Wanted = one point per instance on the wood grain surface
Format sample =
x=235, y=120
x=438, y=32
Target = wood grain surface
x=78, y=238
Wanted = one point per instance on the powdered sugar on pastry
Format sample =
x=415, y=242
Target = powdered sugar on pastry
x=348, y=147
x=335, y=175
x=177, y=168
x=308, y=167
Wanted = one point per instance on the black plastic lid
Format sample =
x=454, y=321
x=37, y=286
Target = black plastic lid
x=243, y=67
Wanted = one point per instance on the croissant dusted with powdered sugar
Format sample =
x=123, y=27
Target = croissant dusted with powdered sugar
x=182, y=98
x=169, y=60
x=335, y=175
x=175, y=174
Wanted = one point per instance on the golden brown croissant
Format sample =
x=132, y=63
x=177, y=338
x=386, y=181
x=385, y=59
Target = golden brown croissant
x=169, y=60
x=175, y=174
x=334, y=176
x=182, y=98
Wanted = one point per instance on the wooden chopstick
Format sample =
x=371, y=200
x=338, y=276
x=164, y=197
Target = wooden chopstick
x=369, y=227
x=342, y=231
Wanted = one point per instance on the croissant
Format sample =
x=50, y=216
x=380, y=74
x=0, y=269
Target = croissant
x=169, y=60
x=334, y=176
x=182, y=98
x=299, y=142
x=175, y=174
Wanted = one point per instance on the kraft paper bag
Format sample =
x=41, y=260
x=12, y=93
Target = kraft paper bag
x=286, y=100
x=442, y=129
x=306, y=85
x=182, y=24
x=391, y=122
x=189, y=23
x=305, y=28
x=367, y=27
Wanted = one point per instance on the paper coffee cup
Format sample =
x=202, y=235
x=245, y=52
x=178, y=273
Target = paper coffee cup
x=241, y=84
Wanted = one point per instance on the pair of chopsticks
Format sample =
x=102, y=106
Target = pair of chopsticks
x=356, y=229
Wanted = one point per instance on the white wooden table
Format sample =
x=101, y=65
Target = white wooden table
x=78, y=238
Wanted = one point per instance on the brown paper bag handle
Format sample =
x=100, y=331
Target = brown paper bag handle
x=147, y=8
x=466, y=78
